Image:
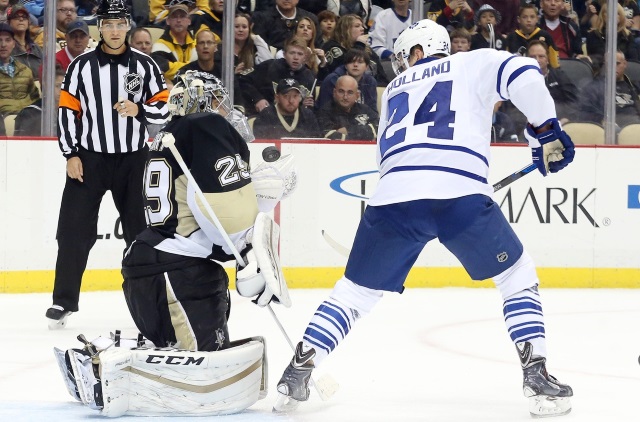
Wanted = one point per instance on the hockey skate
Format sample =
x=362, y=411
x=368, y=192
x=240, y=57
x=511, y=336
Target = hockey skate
x=293, y=387
x=57, y=317
x=547, y=396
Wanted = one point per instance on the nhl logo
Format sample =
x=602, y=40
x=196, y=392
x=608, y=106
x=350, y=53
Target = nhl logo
x=133, y=83
x=502, y=257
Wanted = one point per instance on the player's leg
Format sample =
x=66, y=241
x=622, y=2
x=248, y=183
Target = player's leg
x=128, y=175
x=76, y=235
x=497, y=253
x=382, y=255
x=176, y=299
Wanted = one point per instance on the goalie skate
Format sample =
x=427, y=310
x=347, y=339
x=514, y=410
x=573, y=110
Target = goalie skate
x=57, y=317
x=547, y=396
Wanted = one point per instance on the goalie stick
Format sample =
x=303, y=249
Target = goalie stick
x=344, y=251
x=168, y=140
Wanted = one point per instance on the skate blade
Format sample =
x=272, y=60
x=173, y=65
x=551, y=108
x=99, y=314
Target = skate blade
x=547, y=406
x=57, y=324
x=285, y=404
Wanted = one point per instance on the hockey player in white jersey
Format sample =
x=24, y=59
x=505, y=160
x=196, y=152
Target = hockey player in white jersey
x=433, y=158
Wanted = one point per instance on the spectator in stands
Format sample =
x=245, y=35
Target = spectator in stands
x=360, y=8
x=4, y=4
x=460, y=40
x=26, y=51
x=627, y=99
x=17, y=84
x=249, y=49
x=388, y=25
x=35, y=7
x=286, y=119
x=528, y=30
x=279, y=22
x=632, y=15
x=349, y=33
x=159, y=9
x=344, y=117
x=29, y=119
x=328, y=21
x=596, y=42
x=502, y=127
x=452, y=14
x=258, y=85
x=316, y=61
x=590, y=17
x=175, y=47
x=140, y=39
x=77, y=40
x=66, y=13
x=312, y=6
x=562, y=89
x=86, y=9
x=564, y=31
x=210, y=18
x=487, y=19
x=206, y=47
x=356, y=65
x=508, y=10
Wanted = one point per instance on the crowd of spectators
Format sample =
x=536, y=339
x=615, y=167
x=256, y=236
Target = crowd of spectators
x=315, y=68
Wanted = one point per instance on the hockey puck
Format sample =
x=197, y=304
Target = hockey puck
x=270, y=154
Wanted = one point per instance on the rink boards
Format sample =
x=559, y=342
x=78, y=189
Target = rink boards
x=582, y=226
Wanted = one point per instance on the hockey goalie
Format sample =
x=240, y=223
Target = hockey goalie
x=175, y=288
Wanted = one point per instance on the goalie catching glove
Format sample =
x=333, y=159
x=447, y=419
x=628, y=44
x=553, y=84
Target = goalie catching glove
x=552, y=150
x=262, y=275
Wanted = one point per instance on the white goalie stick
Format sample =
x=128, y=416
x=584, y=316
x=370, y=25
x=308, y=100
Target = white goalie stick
x=326, y=386
x=344, y=251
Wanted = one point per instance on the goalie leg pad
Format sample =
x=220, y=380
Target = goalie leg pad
x=266, y=235
x=148, y=382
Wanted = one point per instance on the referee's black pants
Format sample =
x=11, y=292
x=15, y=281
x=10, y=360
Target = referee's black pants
x=122, y=174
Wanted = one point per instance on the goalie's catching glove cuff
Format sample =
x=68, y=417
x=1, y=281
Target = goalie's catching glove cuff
x=551, y=150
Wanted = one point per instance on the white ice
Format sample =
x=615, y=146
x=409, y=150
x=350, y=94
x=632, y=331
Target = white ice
x=426, y=355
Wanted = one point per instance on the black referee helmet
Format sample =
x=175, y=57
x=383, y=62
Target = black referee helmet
x=112, y=9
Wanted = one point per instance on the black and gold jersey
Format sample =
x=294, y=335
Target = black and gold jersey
x=218, y=159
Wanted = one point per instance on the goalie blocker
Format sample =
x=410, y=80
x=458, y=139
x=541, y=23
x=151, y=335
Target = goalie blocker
x=144, y=381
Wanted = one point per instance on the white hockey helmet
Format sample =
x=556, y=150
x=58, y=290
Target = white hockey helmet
x=197, y=92
x=433, y=38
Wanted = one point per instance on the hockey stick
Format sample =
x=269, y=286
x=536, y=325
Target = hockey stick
x=169, y=141
x=344, y=251
x=513, y=177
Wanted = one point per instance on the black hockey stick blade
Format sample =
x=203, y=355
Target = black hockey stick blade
x=513, y=177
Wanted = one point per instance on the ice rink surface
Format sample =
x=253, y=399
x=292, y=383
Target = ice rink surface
x=426, y=355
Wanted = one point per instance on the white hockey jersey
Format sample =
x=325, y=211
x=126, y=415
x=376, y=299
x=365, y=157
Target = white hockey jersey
x=386, y=29
x=435, y=123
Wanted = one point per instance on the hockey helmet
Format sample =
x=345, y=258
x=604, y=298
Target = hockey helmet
x=113, y=9
x=433, y=38
x=197, y=92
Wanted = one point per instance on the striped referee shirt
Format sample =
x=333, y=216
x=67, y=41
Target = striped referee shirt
x=94, y=82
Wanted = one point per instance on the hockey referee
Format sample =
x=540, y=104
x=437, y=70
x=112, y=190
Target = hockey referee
x=108, y=97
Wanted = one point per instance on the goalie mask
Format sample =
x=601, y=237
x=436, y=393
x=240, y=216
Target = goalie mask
x=433, y=38
x=198, y=92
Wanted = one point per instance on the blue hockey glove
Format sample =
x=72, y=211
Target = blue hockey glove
x=552, y=150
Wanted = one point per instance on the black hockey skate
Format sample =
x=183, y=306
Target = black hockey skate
x=57, y=317
x=547, y=396
x=293, y=387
